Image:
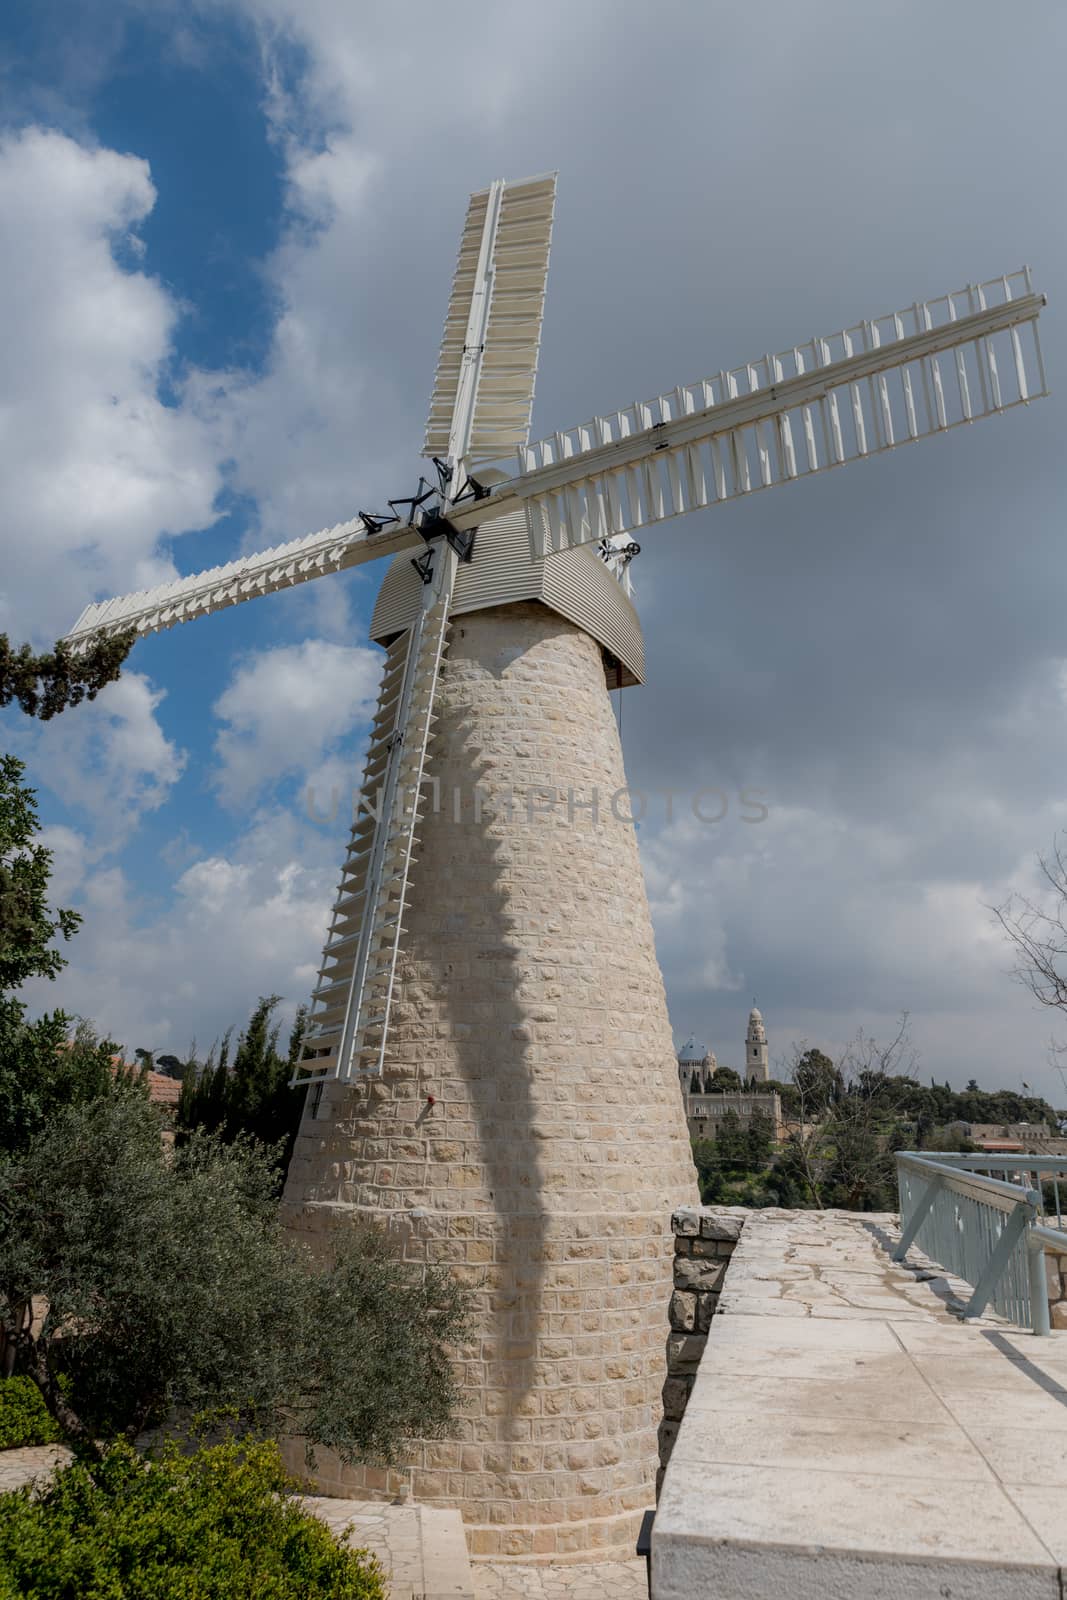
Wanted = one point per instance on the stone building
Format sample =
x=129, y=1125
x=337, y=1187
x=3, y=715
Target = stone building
x=757, y=1069
x=697, y=1065
x=704, y=1112
x=704, y=1108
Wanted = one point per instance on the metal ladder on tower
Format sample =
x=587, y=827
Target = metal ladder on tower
x=350, y=1008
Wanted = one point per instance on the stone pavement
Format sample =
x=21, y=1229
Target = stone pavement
x=32, y=1461
x=422, y=1549
x=604, y=1580
x=847, y=1435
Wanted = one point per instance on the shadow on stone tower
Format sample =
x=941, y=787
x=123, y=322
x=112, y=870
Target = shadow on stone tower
x=530, y=1007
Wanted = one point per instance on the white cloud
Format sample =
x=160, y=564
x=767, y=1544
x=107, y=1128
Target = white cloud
x=70, y=856
x=94, y=467
x=286, y=709
x=110, y=759
x=236, y=925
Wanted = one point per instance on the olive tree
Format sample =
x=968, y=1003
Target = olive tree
x=168, y=1284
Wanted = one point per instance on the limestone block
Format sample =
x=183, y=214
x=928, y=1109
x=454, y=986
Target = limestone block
x=706, y=1249
x=1052, y=1276
x=692, y=1273
x=1058, y=1314
x=675, y=1395
x=706, y=1304
x=683, y=1310
x=668, y=1432
x=721, y=1227
x=685, y=1222
x=684, y=1351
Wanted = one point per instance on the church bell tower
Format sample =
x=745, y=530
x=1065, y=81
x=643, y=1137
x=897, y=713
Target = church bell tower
x=756, y=1063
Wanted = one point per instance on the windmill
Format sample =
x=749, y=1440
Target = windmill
x=490, y=1065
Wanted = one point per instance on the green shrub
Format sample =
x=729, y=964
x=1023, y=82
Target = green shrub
x=209, y=1525
x=24, y=1418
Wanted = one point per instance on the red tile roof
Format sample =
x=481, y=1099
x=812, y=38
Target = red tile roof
x=163, y=1091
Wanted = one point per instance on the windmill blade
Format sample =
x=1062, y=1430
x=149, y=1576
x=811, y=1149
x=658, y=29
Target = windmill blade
x=820, y=405
x=349, y=544
x=349, y=1018
x=483, y=389
x=480, y=410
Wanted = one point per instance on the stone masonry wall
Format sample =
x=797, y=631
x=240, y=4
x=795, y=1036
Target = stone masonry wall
x=704, y=1241
x=1056, y=1273
x=527, y=1130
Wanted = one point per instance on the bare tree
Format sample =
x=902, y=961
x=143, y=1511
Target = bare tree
x=1039, y=933
x=842, y=1152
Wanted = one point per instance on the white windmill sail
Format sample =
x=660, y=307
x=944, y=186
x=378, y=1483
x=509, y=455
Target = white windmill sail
x=480, y=410
x=861, y=391
x=333, y=550
x=516, y=219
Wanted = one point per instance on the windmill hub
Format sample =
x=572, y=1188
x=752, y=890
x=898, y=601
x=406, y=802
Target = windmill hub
x=501, y=970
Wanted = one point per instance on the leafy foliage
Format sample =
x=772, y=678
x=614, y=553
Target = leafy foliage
x=817, y=1081
x=27, y=926
x=185, y=1527
x=252, y=1096
x=44, y=685
x=24, y=1417
x=42, y=1069
x=41, y=1066
x=848, y=1120
x=187, y=1293
x=759, y=1139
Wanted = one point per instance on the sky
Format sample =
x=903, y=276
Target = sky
x=227, y=232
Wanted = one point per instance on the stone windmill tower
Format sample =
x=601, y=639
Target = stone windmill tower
x=491, y=1072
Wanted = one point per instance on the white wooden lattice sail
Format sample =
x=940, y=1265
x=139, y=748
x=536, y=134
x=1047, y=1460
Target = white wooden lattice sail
x=864, y=390
x=516, y=221
x=861, y=391
x=314, y=556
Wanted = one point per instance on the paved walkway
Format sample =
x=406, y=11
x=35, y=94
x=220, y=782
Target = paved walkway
x=422, y=1550
x=846, y=1434
x=606, y=1580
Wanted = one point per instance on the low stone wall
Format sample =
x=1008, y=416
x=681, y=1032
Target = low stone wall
x=1056, y=1273
x=704, y=1241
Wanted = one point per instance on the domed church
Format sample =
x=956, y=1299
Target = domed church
x=697, y=1064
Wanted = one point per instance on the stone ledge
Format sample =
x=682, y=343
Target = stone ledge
x=845, y=1435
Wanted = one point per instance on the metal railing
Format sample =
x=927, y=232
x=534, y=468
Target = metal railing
x=990, y=1232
